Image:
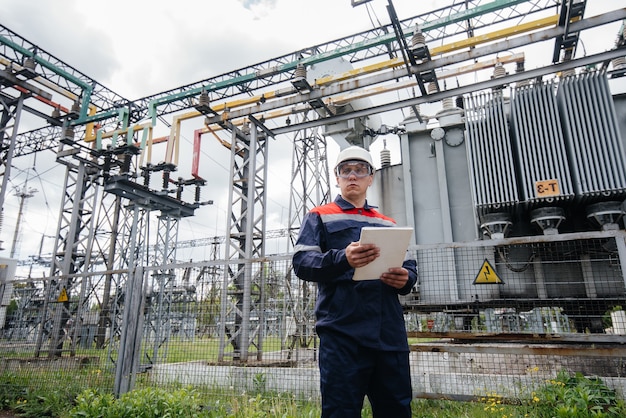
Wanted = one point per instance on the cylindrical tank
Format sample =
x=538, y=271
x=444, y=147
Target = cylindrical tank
x=7, y=274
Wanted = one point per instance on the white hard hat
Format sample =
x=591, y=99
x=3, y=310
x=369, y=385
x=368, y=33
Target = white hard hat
x=354, y=153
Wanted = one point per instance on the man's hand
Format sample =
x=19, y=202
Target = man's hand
x=361, y=255
x=395, y=277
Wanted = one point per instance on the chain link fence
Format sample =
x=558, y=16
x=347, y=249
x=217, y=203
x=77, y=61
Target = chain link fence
x=491, y=316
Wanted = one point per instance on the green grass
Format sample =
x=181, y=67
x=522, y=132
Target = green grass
x=208, y=348
x=36, y=390
x=55, y=393
x=205, y=349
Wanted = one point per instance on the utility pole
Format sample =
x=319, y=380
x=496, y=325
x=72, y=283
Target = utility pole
x=23, y=194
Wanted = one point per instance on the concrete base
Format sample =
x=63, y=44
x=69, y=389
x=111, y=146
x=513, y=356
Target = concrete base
x=431, y=377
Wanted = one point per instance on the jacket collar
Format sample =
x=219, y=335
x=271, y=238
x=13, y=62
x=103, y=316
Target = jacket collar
x=345, y=205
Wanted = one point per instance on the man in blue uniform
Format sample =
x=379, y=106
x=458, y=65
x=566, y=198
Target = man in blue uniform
x=363, y=341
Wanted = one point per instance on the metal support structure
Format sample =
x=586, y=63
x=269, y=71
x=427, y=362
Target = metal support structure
x=246, y=228
x=95, y=289
x=111, y=251
x=438, y=25
x=11, y=112
x=23, y=194
x=408, y=180
x=159, y=292
x=571, y=10
x=310, y=182
x=72, y=244
x=310, y=187
x=139, y=306
x=129, y=302
x=621, y=250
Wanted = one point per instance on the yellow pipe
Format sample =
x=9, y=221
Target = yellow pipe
x=338, y=100
x=347, y=98
x=90, y=128
x=499, y=34
x=42, y=80
x=243, y=102
x=174, y=137
x=518, y=57
x=147, y=151
x=466, y=43
x=173, y=143
x=368, y=69
x=173, y=147
x=267, y=115
x=46, y=83
x=146, y=145
x=123, y=131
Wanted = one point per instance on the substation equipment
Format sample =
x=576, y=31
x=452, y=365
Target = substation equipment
x=521, y=172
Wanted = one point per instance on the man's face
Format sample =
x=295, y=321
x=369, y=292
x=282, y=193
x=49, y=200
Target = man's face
x=354, y=177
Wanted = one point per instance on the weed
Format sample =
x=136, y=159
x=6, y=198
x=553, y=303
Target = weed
x=145, y=403
x=577, y=396
x=260, y=382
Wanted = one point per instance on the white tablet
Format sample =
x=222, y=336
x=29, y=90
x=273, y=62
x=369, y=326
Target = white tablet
x=393, y=243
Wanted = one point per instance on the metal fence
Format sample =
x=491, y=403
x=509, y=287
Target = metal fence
x=491, y=316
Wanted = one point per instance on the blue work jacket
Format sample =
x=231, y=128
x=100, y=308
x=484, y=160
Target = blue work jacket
x=368, y=311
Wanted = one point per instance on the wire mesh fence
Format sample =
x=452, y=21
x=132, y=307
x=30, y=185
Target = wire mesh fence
x=493, y=316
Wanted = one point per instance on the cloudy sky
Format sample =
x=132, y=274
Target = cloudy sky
x=139, y=48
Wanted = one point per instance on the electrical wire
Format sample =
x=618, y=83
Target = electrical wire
x=510, y=266
x=370, y=12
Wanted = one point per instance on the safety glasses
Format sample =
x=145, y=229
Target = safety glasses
x=358, y=168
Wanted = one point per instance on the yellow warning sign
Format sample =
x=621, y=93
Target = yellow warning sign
x=487, y=275
x=63, y=296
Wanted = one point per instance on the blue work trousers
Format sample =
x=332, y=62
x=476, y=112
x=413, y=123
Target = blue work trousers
x=349, y=372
